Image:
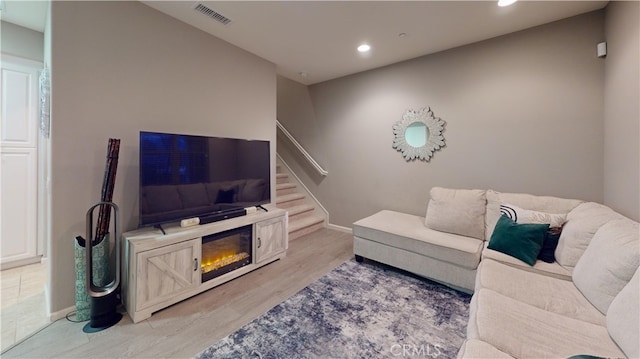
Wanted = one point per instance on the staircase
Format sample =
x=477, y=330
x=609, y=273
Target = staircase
x=304, y=217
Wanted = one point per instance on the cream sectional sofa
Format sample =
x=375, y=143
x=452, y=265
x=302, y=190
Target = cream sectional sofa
x=585, y=302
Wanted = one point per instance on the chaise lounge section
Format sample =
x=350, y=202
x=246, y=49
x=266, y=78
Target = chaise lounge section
x=572, y=289
x=403, y=241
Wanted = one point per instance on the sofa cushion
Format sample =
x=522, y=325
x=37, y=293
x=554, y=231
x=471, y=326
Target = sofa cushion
x=522, y=241
x=609, y=262
x=552, y=294
x=408, y=232
x=582, y=224
x=457, y=211
x=525, y=331
x=548, y=204
x=549, y=269
x=623, y=316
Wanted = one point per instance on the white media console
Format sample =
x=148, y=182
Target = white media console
x=163, y=269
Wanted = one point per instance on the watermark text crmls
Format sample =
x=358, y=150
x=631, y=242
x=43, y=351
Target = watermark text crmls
x=415, y=350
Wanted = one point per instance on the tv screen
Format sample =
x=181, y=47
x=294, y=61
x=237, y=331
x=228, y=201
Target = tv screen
x=185, y=176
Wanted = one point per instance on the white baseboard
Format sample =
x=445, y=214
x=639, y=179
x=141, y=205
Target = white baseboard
x=339, y=228
x=20, y=262
x=61, y=313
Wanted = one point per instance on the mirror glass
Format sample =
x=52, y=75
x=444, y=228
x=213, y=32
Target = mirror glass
x=416, y=134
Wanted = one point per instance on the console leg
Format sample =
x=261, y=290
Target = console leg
x=359, y=259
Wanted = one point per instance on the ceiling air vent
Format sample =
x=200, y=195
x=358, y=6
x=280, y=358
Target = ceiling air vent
x=212, y=14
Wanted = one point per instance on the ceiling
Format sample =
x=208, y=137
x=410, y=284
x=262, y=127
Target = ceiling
x=29, y=14
x=315, y=41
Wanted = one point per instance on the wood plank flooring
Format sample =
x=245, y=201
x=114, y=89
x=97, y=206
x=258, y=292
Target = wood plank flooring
x=22, y=302
x=188, y=327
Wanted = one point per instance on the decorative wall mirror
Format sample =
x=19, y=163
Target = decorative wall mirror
x=418, y=134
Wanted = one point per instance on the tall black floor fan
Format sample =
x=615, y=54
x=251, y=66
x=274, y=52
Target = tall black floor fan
x=104, y=297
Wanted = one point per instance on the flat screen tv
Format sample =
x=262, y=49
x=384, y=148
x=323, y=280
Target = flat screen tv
x=186, y=176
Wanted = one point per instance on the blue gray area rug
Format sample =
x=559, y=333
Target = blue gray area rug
x=358, y=310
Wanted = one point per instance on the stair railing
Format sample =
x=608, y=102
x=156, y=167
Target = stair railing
x=304, y=152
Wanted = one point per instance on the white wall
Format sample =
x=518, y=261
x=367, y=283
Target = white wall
x=20, y=41
x=524, y=114
x=122, y=67
x=622, y=108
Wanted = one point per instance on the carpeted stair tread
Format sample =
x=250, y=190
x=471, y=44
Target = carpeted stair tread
x=287, y=185
x=302, y=208
x=299, y=224
x=289, y=197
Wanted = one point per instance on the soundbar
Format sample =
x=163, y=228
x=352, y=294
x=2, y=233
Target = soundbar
x=219, y=216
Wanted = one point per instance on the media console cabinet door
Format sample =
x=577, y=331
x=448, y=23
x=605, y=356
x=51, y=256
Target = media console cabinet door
x=271, y=238
x=166, y=272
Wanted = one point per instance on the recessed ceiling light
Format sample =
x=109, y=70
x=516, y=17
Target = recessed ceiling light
x=364, y=48
x=506, y=2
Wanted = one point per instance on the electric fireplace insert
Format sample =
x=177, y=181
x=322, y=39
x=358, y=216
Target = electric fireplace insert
x=225, y=252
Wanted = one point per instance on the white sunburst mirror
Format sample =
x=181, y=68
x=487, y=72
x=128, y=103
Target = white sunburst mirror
x=418, y=134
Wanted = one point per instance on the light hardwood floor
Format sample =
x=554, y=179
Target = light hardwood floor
x=22, y=303
x=188, y=327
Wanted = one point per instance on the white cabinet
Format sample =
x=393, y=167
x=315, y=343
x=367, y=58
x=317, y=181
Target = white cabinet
x=271, y=238
x=165, y=272
x=161, y=269
x=18, y=162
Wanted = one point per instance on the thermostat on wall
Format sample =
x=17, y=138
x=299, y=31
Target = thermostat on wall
x=602, y=49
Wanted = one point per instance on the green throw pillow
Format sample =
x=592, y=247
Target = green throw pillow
x=522, y=241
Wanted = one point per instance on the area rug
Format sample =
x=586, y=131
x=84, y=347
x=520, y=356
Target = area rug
x=358, y=310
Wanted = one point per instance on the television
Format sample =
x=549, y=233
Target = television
x=186, y=176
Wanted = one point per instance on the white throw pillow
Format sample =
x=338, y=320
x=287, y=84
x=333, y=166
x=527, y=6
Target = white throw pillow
x=623, y=321
x=609, y=262
x=457, y=211
x=547, y=204
x=521, y=215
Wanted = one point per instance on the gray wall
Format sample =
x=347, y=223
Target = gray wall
x=133, y=68
x=524, y=114
x=20, y=41
x=622, y=108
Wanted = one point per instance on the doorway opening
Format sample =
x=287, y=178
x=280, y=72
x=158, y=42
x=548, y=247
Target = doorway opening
x=24, y=200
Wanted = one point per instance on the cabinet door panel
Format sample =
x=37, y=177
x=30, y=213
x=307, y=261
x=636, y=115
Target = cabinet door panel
x=167, y=271
x=271, y=238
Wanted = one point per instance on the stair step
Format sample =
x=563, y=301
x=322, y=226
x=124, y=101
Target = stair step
x=304, y=222
x=285, y=188
x=300, y=227
x=282, y=178
x=300, y=210
x=281, y=186
x=304, y=217
x=290, y=200
x=285, y=185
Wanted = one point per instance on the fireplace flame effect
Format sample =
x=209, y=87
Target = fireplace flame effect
x=216, y=263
